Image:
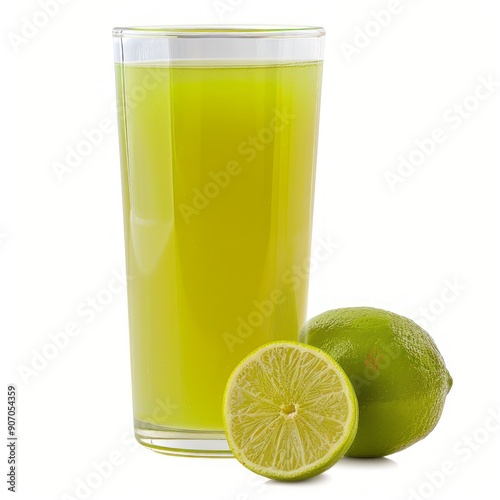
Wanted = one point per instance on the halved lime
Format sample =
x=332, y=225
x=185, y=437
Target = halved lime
x=290, y=411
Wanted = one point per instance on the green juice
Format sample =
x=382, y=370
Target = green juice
x=218, y=168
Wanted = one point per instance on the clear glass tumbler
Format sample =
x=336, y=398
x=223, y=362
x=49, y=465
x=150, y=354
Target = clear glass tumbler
x=218, y=134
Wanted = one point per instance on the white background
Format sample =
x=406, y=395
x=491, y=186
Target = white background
x=60, y=241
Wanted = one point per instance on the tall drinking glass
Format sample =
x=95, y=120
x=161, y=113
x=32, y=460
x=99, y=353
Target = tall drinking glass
x=218, y=131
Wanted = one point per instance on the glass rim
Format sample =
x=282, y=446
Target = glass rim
x=220, y=31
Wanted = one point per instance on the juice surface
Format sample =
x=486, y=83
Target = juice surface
x=218, y=172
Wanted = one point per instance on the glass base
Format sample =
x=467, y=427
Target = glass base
x=182, y=442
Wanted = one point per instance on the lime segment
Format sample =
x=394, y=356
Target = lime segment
x=290, y=411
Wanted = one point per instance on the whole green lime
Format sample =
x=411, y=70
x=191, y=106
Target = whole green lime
x=397, y=371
